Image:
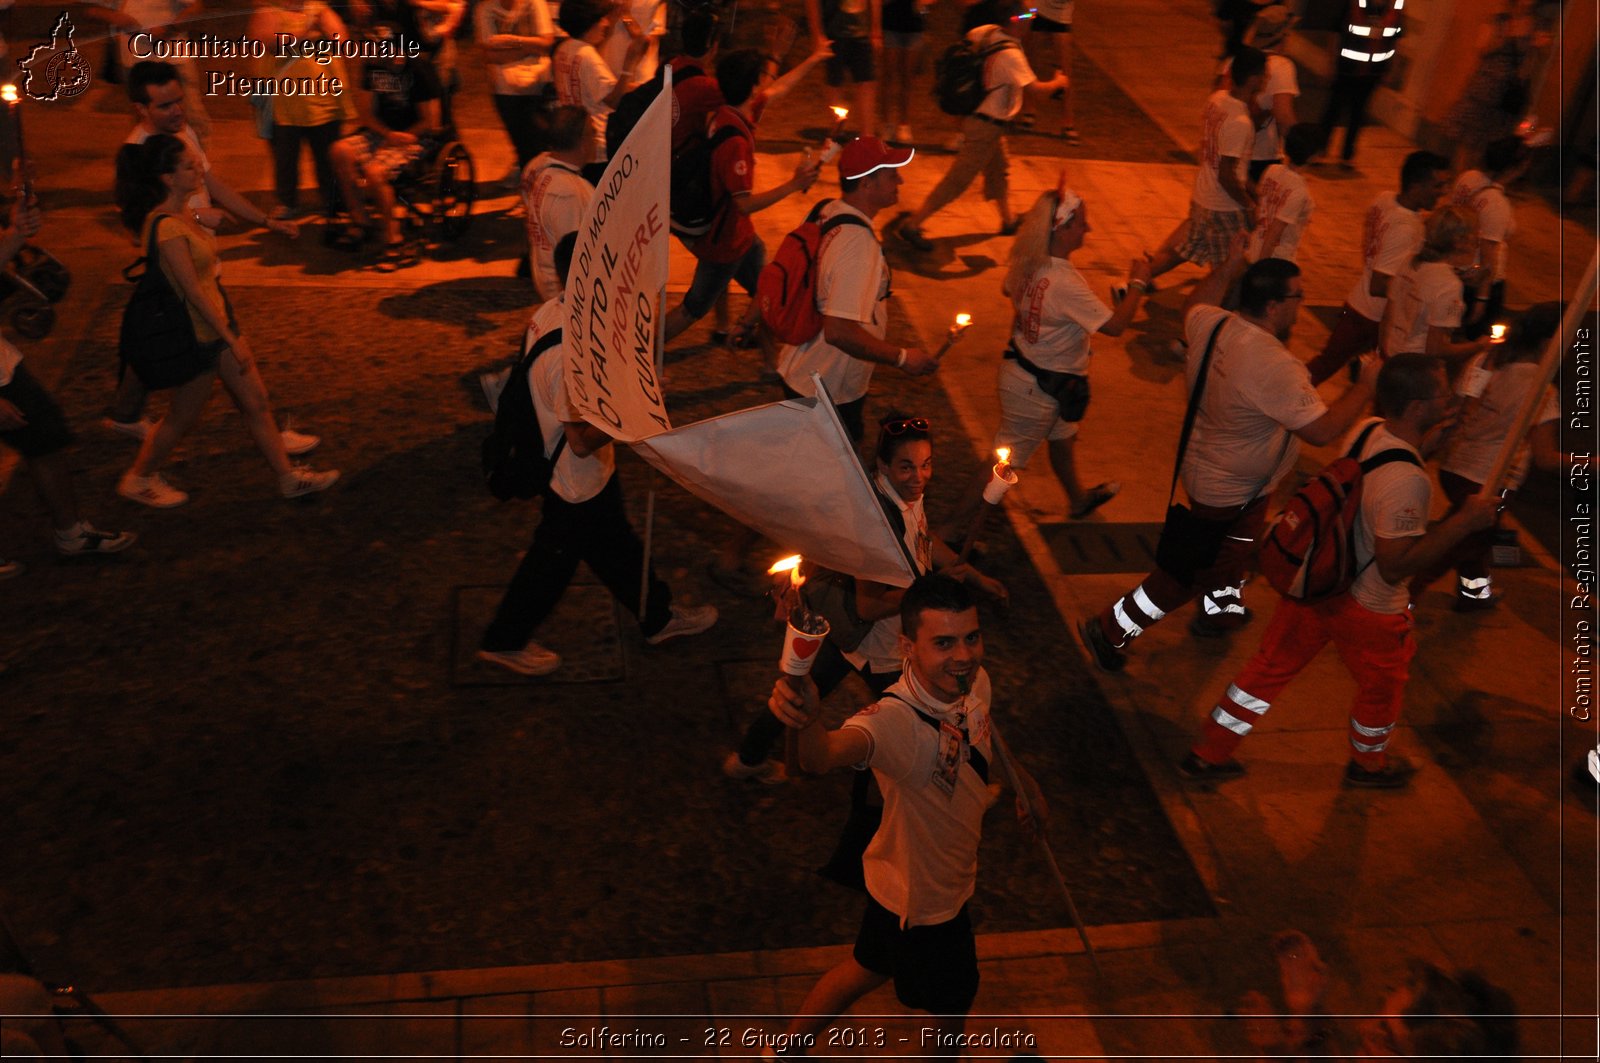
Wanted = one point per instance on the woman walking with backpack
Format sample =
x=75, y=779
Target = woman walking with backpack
x=154, y=182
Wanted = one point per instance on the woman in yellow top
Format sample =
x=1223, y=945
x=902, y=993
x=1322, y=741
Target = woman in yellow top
x=154, y=182
x=314, y=119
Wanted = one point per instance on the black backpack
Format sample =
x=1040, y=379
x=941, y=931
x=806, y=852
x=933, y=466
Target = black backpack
x=514, y=462
x=691, y=204
x=958, y=77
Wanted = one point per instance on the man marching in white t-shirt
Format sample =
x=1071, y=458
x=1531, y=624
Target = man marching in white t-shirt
x=1370, y=624
x=853, y=289
x=1283, y=202
x=1221, y=204
x=1006, y=77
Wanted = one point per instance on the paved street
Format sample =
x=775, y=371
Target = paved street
x=255, y=771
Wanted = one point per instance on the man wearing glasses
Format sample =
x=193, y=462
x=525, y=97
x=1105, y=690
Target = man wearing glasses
x=1256, y=400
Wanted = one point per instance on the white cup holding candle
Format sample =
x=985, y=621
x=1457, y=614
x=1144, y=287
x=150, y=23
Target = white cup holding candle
x=800, y=647
x=1002, y=479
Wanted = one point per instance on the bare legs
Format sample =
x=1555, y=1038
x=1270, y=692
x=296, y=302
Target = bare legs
x=249, y=394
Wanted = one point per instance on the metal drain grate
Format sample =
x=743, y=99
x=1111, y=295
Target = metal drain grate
x=1102, y=548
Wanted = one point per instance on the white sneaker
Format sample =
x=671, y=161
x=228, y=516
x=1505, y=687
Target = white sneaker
x=132, y=429
x=902, y=134
x=91, y=540
x=493, y=384
x=532, y=659
x=300, y=480
x=768, y=772
x=689, y=620
x=150, y=491
x=298, y=443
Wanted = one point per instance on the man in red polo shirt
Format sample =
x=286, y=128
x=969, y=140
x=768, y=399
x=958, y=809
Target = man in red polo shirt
x=730, y=248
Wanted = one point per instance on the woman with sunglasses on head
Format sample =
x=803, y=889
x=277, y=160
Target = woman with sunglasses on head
x=903, y=468
x=1044, y=383
x=154, y=182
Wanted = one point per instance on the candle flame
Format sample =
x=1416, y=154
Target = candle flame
x=963, y=320
x=1004, y=454
x=841, y=113
x=8, y=93
x=1497, y=332
x=788, y=564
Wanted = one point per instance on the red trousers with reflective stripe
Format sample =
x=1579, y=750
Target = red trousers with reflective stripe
x=1353, y=335
x=1376, y=648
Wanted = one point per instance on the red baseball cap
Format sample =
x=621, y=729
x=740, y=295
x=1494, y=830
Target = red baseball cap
x=864, y=155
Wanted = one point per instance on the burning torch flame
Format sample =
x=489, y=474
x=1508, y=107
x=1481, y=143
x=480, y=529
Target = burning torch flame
x=791, y=565
x=8, y=93
x=963, y=320
x=1003, y=454
x=1496, y=332
x=841, y=113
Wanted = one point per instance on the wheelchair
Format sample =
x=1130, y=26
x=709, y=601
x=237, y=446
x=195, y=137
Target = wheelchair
x=438, y=189
x=30, y=284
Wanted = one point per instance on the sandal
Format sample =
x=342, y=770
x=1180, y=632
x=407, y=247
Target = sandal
x=351, y=237
x=1099, y=495
x=396, y=256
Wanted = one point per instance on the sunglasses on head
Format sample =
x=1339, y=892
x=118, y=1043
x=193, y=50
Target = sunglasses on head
x=901, y=425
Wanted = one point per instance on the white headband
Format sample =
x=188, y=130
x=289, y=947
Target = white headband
x=1067, y=204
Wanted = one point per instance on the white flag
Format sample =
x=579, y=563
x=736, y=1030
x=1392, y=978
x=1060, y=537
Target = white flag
x=615, y=288
x=789, y=470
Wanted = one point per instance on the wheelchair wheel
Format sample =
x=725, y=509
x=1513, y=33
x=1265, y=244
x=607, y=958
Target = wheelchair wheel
x=51, y=278
x=34, y=320
x=455, y=184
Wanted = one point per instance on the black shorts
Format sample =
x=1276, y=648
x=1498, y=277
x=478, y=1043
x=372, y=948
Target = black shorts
x=935, y=968
x=46, y=431
x=852, y=56
x=1041, y=24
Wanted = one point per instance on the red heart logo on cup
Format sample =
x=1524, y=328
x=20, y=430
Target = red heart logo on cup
x=804, y=648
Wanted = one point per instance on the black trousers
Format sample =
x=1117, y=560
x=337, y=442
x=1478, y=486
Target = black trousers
x=1348, y=96
x=596, y=532
x=519, y=115
x=286, y=141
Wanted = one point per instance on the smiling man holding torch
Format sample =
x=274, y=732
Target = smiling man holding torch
x=928, y=742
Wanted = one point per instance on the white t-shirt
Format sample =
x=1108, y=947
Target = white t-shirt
x=1005, y=74
x=1420, y=298
x=554, y=197
x=652, y=15
x=922, y=864
x=880, y=649
x=1391, y=236
x=1282, y=195
x=853, y=284
x=1056, y=10
x=583, y=80
x=1495, y=221
x=521, y=18
x=1394, y=505
x=1257, y=394
x=575, y=479
x=1281, y=80
x=1056, y=313
x=1226, y=133
x=202, y=195
x=1486, y=423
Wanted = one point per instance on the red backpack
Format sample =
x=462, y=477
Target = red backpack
x=1309, y=554
x=787, y=288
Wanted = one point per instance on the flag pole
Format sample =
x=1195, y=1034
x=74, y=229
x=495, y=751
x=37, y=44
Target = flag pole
x=1003, y=756
x=1582, y=300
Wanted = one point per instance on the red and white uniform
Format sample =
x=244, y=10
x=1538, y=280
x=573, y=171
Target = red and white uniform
x=1281, y=195
x=1226, y=132
x=554, y=197
x=1370, y=625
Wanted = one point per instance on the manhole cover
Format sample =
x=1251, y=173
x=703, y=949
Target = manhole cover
x=1102, y=548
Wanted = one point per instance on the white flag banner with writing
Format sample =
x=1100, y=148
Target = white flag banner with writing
x=615, y=287
x=788, y=470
